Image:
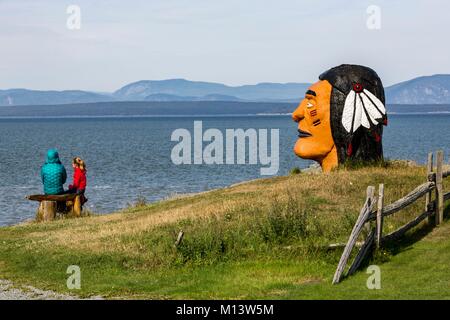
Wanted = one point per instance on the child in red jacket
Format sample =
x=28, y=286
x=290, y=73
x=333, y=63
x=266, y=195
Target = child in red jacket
x=79, y=178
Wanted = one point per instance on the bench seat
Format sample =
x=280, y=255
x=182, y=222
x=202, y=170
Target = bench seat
x=49, y=205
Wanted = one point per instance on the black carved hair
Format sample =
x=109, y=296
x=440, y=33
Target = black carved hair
x=364, y=144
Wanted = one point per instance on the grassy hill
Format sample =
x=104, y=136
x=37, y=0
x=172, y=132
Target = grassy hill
x=262, y=239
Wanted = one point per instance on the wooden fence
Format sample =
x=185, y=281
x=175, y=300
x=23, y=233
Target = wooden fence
x=375, y=211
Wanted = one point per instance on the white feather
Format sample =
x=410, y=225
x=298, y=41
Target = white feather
x=374, y=114
x=358, y=114
x=375, y=100
x=349, y=109
x=364, y=121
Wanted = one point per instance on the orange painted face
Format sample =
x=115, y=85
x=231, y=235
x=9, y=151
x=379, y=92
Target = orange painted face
x=313, y=116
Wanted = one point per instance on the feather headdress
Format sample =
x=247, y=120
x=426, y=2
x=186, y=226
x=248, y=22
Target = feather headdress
x=361, y=108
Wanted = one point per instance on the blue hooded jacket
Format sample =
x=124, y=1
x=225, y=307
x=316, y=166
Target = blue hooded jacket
x=53, y=174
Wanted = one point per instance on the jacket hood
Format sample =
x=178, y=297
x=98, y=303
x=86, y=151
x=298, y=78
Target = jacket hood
x=53, y=156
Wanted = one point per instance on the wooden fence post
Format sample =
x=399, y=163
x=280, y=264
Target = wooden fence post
x=379, y=233
x=429, y=195
x=359, y=225
x=365, y=249
x=439, y=189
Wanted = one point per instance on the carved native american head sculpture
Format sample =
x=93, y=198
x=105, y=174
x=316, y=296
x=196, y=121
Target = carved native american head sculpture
x=341, y=117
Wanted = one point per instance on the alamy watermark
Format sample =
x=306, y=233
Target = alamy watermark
x=73, y=21
x=231, y=149
x=74, y=280
x=374, y=19
x=374, y=280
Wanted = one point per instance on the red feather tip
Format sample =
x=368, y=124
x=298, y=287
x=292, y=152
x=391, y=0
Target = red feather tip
x=349, y=150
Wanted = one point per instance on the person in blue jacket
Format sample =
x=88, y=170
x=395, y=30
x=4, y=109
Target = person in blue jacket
x=53, y=174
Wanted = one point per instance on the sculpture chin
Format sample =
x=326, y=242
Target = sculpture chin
x=326, y=157
x=309, y=150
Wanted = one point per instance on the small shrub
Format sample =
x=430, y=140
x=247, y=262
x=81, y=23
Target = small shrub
x=295, y=170
x=381, y=256
x=285, y=220
x=140, y=202
x=206, y=243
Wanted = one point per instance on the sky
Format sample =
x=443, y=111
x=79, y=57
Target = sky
x=229, y=41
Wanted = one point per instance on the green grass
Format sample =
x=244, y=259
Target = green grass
x=265, y=239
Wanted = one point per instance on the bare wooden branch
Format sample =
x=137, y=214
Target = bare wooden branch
x=405, y=201
x=379, y=232
x=179, y=238
x=365, y=249
x=364, y=213
x=439, y=191
x=403, y=229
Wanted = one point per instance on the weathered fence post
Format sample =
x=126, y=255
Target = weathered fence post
x=365, y=249
x=429, y=195
x=379, y=233
x=439, y=189
x=359, y=225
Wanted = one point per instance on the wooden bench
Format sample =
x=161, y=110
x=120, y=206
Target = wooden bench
x=49, y=205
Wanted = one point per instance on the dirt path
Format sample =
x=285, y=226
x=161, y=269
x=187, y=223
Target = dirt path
x=9, y=291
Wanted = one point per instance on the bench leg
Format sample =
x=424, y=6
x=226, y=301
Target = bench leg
x=46, y=211
x=77, y=207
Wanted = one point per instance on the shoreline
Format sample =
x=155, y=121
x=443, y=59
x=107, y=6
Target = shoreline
x=313, y=168
x=169, y=198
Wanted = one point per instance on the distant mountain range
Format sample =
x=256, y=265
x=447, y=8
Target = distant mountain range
x=16, y=97
x=423, y=90
x=181, y=89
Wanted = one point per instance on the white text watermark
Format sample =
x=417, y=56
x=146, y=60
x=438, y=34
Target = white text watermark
x=74, y=280
x=239, y=146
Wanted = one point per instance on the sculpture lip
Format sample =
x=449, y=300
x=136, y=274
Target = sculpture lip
x=303, y=134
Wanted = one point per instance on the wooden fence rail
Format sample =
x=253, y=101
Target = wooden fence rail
x=369, y=213
x=410, y=198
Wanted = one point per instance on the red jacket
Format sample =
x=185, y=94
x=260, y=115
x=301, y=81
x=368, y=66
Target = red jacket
x=79, y=179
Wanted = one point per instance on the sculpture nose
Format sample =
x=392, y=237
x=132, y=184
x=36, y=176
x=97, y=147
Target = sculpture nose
x=299, y=113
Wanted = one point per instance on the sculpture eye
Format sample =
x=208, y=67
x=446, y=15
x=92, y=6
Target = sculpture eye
x=309, y=105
